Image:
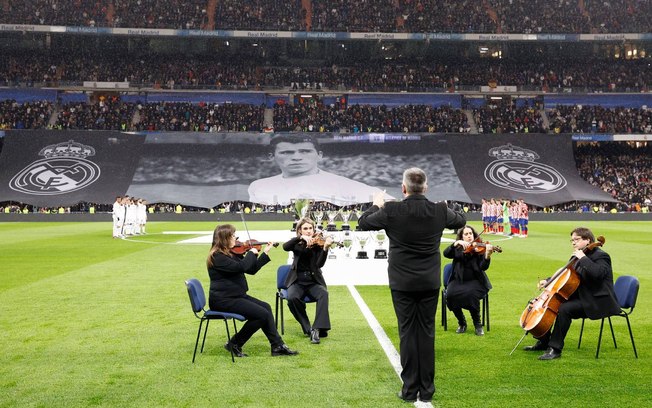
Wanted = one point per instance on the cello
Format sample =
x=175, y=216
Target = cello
x=541, y=312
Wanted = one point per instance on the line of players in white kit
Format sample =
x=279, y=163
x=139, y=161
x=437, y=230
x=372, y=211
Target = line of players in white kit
x=129, y=216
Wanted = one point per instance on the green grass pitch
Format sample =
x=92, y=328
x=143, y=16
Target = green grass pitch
x=87, y=320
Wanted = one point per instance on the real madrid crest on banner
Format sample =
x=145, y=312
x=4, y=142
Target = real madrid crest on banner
x=65, y=168
x=515, y=169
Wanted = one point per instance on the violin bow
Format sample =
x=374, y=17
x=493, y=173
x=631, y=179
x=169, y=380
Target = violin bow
x=245, y=225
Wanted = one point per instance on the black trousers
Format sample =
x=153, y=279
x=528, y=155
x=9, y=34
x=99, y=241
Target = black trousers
x=416, y=312
x=259, y=316
x=296, y=294
x=569, y=310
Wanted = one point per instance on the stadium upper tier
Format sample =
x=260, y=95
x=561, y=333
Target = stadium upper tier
x=140, y=69
x=390, y=16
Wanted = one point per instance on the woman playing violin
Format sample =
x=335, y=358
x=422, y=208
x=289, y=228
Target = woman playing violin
x=593, y=299
x=306, y=279
x=228, y=290
x=468, y=281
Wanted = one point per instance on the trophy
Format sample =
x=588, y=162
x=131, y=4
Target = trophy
x=301, y=208
x=358, y=213
x=380, y=237
x=348, y=244
x=362, y=238
x=345, y=214
x=331, y=220
x=319, y=215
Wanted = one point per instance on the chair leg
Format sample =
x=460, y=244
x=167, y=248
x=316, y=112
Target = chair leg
x=444, y=317
x=282, y=318
x=631, y=336
x=205, y=333
x=201, y=323
x=579, y=343
x=613, y=336
x=597, y=351
x=228, y=337
x=276, y=311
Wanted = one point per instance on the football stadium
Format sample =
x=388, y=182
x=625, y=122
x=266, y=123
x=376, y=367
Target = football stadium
x=321, y=203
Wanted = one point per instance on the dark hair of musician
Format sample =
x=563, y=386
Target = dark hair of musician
x=584, y=233
x=460, y=232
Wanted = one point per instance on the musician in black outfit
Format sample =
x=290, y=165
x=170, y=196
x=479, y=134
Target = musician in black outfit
x=593, y=299
x=228, y=291
x=468, y=281
x=414, y=227
x=305, y=278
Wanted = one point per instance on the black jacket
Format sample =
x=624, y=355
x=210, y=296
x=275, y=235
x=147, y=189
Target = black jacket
x=596, y=289
x=414, y=227
x=316, y=255
x=477, y=263
x=228, y=274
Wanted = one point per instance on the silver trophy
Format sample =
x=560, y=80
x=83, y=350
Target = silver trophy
x=301, y=208
x=358, y=214
x=380, y=237
x=362, y=238
x=332, y=215
x=318, y=215
x=348, y=244
x=346, y=214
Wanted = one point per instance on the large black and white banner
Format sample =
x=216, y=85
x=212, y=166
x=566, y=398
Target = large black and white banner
x=51, y=168
x=540, y=169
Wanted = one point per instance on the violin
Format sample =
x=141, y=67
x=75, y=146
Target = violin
x=318, y=239
x=479, y=247
x=241, y=247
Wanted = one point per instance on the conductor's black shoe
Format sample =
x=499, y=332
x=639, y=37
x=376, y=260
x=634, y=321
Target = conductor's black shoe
x=283, y=350
x=461, y=329
x=550, y=354
x=538, y=346
x=314, y=336
x=425, y=398
x=406, y=399
x=237, y=350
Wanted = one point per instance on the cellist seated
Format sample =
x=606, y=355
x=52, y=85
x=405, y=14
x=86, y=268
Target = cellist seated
x=593, y=299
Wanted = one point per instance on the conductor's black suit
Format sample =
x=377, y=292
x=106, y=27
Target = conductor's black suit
x=414, y=227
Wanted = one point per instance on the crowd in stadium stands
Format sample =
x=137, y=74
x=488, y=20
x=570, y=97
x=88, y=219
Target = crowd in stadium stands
x=108, y=114
x=184, y=116
x=14, y=115
x=494, y=117
x=597, y=119
x=505, y=117
x=467, y=16
x=176, y=14
x=255, y=14
x=319, y=117
x=621, y=169
x=28, y=69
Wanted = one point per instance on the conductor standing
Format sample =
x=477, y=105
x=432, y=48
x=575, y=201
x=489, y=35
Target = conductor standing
x=414, y=227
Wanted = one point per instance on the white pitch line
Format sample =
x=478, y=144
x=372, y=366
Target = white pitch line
x=383, y=339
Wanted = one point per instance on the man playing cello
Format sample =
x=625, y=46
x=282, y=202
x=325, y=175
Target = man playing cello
x=593, y=299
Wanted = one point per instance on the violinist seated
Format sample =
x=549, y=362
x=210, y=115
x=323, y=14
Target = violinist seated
x=306, y=279
x=468, y=282
x=228, y=291
x=594, y=298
